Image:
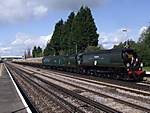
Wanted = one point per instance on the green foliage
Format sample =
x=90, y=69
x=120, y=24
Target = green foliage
x=92, y=49
x=67, y=37
x=84, y=29
x=120, y=45
x=74, y=35
x=144, y=44
x=56, y=40
x=49, y=50
x=37, y=52
x=132, y=44
x=34, y=52
x=146, y=68
x=142, y=47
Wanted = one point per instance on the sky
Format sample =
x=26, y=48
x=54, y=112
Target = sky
x=25, y=23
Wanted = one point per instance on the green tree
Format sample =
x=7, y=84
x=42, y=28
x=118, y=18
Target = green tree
x=120, y=45
x=84, y=29
x=39, y=51
x=56, y=40
x=67, y=39
x=132, y=44
x=34, y=52
x=144, y=46
x=76, y=34
x=90, y=28
x=92, y=49
x=48, y=50
x=141, y=47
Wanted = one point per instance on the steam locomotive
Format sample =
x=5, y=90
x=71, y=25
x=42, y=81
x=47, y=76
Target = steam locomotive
x=0, y=60
x=122, y=64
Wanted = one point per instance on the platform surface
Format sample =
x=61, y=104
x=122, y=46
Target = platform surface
x=9, y=98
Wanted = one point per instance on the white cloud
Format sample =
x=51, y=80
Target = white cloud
x=108, y=40
x=15, y=10
x=18, y=10
x=23, y=42
x=40, y=10
x=142, y=29
x=4, y=50
x=26, y=40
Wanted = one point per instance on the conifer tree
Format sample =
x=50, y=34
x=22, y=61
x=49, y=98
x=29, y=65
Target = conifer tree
x=39, y=51
x=84, y=29
x=67, y=38
x=34, y=52
x=48, y=50
x=56, y=40
x=74, y=35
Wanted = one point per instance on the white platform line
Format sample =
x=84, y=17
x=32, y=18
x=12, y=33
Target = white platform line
x=147, y=72
x=1, y=70
x=19, y=93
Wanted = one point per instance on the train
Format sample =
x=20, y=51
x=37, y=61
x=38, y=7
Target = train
x=1, y=60
x=122, y=64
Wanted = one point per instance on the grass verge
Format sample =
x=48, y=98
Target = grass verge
x=146, y=68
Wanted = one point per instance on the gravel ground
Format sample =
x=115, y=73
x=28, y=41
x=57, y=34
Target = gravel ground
x=112, y=103
x=106, y=90
x=147, y=78
x=121, y=94
x=42, y=101
x=75, y=102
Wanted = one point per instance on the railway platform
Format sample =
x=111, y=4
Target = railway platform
x=11, y=100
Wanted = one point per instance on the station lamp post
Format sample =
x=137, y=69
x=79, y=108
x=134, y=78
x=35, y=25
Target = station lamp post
x=126, y=35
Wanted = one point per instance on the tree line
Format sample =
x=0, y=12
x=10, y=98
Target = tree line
x=142, y=46
x=73, y=35
x=79, y=34
x=37, y=52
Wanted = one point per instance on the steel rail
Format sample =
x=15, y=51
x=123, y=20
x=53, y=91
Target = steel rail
x=145, y=93
x=100, y=94
x=80, y=97
x=35, y=84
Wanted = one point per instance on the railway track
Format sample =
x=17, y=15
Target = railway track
x=124, y=85
x=144, y=83
x=85, y=100
x=129, y=85
x=42, y=92
x=94, y=92
x=138, y=89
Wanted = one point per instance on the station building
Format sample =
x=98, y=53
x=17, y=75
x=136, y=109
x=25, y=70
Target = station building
x=10, y=58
